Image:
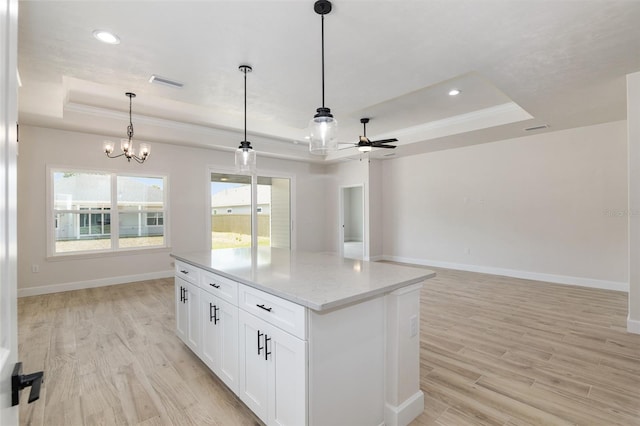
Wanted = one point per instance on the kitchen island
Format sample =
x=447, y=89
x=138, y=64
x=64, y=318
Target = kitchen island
x=306, y=338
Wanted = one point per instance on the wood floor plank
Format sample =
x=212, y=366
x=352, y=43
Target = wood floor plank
x=494, y=350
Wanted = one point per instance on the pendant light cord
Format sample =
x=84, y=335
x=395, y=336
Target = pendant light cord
x=130, y=128
x=245, y=104
x=322, y=36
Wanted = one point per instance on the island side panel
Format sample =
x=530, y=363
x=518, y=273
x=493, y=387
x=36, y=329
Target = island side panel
x=404, y=399
x=346, y=365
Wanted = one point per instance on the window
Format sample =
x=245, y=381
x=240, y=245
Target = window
x=154, y=219
x=96, y=211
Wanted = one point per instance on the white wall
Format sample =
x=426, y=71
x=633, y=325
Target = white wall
x=633, y=212
x=549, y=206
x=187, y=170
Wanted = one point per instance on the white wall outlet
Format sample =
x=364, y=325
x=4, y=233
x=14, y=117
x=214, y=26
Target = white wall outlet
x=35, y=268
x=413, y=326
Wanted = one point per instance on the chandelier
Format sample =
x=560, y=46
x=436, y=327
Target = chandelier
x=128, y=150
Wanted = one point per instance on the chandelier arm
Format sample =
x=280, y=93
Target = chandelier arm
x=114, y=156
x=138, y=160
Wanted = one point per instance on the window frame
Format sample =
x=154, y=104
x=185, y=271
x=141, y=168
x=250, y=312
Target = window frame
x=52, y=215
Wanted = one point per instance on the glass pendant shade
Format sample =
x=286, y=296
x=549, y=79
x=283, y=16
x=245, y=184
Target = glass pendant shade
x=323, y=135
x=145, y=150
x=107, y=146
x=245, y=160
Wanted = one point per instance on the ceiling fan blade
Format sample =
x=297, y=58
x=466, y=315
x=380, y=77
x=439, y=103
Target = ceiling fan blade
x=384, y=141
x=385, y=146
x=343, y=145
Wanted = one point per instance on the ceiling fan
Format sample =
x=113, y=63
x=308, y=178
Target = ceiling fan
x=365, y=144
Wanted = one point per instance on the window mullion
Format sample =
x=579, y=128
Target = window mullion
x=115, y=216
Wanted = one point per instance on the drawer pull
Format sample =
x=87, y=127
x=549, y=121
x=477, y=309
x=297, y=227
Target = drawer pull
x=267, y=352
x=184, y=271
x=259, y=347
x=264, y=307
x=214, y=285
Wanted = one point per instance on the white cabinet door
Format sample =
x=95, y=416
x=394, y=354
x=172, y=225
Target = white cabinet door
x=273, y=378
x=253, y=386
x=227, y=316
x=182, y=317
x=219, y=345
x=193, y=313
x=287, y=376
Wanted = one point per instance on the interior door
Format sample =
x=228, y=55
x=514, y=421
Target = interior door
x=8, y=204
x=352, y=221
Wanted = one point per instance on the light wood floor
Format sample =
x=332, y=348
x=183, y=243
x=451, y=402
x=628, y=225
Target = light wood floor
x=494, y=351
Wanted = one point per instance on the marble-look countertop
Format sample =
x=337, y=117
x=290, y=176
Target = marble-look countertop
x=320, y=281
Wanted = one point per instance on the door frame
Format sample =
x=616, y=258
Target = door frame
x=8, y=207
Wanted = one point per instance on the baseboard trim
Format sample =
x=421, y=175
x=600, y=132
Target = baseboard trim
x=536, y=276
x=633, y=326
x=79, y=285
x=376, y=258
x=406, y=412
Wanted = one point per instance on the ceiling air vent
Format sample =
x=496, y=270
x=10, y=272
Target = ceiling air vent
x=543, y=126
x=167, y=82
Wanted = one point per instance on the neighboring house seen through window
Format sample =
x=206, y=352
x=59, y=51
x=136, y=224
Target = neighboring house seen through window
x=97, y=211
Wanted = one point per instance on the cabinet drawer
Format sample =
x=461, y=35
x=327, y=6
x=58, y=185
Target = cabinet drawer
x=285, y=315
x=187, y=272
x=219, y=286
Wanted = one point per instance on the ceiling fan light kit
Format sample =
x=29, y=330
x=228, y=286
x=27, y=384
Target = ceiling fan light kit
x=245, y=155
x=126, y=145
x=323, y=127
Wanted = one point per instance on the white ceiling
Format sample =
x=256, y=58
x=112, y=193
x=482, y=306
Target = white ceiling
x=519, y=63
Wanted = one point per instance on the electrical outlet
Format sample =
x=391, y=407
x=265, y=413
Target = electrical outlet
x=35, y=268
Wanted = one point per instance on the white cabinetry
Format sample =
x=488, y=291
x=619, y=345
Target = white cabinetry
x=187, y=305
x=356, y=364
x=273, y=376
x=220, y=328
x=187, y=313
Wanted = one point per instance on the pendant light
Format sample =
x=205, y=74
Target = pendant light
x=245, y=155
x=323, y=128
x=126, y=145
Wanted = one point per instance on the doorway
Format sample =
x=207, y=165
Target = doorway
x=352, y=221
x=250, y=212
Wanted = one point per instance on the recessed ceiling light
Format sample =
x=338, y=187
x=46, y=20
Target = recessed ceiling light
x=454, y=92
x=106, y=37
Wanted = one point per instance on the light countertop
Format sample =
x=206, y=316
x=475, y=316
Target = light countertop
x=319, y=281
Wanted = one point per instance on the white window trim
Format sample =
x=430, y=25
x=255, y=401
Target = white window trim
x=114, y=250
